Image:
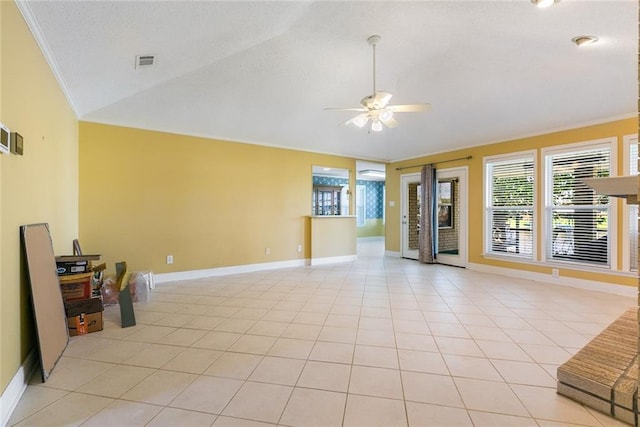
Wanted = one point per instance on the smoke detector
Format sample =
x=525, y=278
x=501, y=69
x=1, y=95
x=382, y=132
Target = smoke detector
x=145, y=61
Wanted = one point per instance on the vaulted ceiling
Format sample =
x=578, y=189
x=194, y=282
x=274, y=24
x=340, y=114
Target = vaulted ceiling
x=264, y=71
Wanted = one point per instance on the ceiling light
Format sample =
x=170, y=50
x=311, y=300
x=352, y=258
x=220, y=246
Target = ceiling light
x=376, y=126
x=386, y=115
x=584, y=40
x=373, y=172
x=541, y=4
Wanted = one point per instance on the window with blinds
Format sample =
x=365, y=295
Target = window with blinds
x=633, y=209
x=577, y=219
x=509, y=204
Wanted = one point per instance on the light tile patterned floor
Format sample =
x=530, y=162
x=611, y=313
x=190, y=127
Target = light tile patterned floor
x=375, y=342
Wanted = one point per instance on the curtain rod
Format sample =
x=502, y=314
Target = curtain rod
x=435, y=163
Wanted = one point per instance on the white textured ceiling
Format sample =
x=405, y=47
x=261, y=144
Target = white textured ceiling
x=263, y=71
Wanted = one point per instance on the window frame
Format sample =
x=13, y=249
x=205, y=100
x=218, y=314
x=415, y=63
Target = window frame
x=627, y=142
x=547, y=153
x=487, y=249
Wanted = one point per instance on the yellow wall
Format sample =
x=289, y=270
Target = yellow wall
x=41, y=186
x=373, y=227
x=145, y=195
x=333, y=236
x=618, y=129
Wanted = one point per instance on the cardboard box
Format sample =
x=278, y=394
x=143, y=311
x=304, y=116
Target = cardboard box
x=72, y=267
x=84, y=323
x=84, y=315
x=77, y=286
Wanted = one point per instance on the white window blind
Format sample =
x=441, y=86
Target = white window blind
x=633, y=210
x=510, y=206
x=577, y=218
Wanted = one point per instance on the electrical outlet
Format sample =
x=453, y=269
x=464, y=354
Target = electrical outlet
x=267, y=251
x=555, y=272
x=299, y=248
x=169, y=259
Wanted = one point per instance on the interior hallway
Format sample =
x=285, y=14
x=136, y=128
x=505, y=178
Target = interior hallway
x=378, y=341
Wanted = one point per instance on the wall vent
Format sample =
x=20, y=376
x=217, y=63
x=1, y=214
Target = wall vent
x=143, y=61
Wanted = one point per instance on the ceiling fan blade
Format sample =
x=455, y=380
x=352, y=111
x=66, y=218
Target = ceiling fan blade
x=390, y=123
x=381, y=99
x=409, y=108
x=347, y=109
x=360, y=120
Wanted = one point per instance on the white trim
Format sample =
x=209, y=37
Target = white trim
x=462, y=173
x=16, y=388
x=589, y=285
x=225, y=271
x=333, y=259
x=392, y=254
x=34, y=27
x=405, y=180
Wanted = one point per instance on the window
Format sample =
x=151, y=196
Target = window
x=577, y=219
x=361, y=204
x=509, y=214
x=631, y=241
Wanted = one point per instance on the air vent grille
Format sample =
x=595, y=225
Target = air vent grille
x=143, y=61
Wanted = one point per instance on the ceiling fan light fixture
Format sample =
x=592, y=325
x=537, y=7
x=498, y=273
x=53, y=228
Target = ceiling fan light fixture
x=360, y=120
x=386, y=115
x=376, y=126
x=584, y=40
x=541, y=4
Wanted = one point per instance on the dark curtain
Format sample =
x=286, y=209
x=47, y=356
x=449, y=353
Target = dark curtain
x=426, y=243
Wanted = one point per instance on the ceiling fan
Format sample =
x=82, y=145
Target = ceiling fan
x=375, y=107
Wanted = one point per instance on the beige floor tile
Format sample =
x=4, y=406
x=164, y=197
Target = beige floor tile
x=526, y=373
x=268, y=328
x=254, y=344
x=284, y=316
x=292, y=348
x=174, y=320
x=471, y=367
x=222, y=421
x=150, y=334
x=234, y=365
x=378, y=382
x=72, y=409
x=259, y=402
x=381, y=357
x=183, y=337
x=374, y=412
x=416, y=342
x=114, y=329
x=376, y=323
x=380, y=338
x=458, y=346
x=237, y=325
x=489, y=396
x=332, y=352
x=121, y=412
x=451, y=330
x=277, y=370
x=411, y=326
x=160, y=388
x=192, y=360
x=528, y=336
x=207, y=394
x=34, y=399
x=429, y=388
x=306, y=318
x=369, y=312
x=314, y=408
x=546, y=354
x=148, y=317
x=423, y=414
x=302, y=331
x=490, y=333
x=217, y=340
x=172, y=417
x=422, y=361
x=116, y=381
x=325, y=376
x=338, y=334
x=82, y=346
x=503, y=350
x=487, y=419
x=545, y=403
x=207, y=323
x=342, y=320
x=70, y=373
x=154, y=356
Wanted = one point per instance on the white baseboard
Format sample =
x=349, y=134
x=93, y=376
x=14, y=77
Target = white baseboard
x=18, y=384
x=225, y=271
x=333, y=259
x=590, y=285
x=392, y=254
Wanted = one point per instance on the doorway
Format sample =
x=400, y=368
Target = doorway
x=451, y=233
